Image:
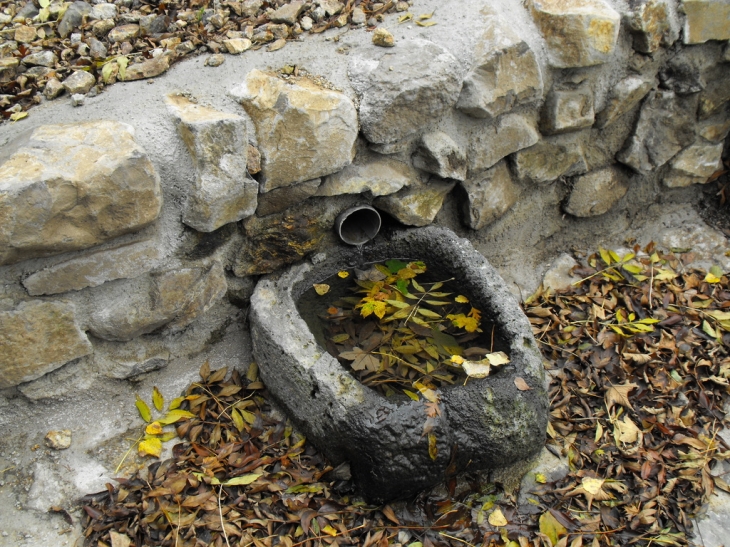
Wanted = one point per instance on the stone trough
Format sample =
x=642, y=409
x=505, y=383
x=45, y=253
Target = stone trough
x=485, y=424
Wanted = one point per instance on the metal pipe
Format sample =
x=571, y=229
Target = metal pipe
x=358, y=225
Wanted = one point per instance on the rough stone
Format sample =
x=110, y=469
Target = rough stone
x=405, y=89
x=303, y=131
x=97, y=49
x=288, y=13
x=506, y=74
x=714, y=524
x=549, y=466
x=717, y=90
x=682, y=75
x=218, y=144
x=437, y=153
x=78, y=99
x=25, y=34
x=490, y=194
x=358, y=16
x=253, y=161
x=148, y=69
x=38, y=337
x=102, y=28
x=249, y=8
x=154, y=24
x=380, y=176
x=281, y=199
x=652, y=23
x=418, y=205
x=58, y=439
x=172, y=299
x=624, y=96
x=53, y=89
x=509, y=134
x=103, y=11
x=578, y=32
x=41, y=58
x=123, y=33
x=567, y=110
x=382, y=37
x=665, y=126
x=8, y=68
x=92, y=269
x=493, y=423
x=694, y=165
x=79, y=82
x=28, y=11
x=331, y=7
x=548, y=160
x=706, y=20
x=72, y=186
x=596, y=192
x=237, y=45
x=715, y=130
x=73, y=17
x=558, y=277
x=215, y=60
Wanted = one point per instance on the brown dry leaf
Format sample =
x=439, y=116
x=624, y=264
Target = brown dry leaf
x=625, y=431
x=390, y=515
x=521, y=384
x=619, y=394
x=119, y=540
x=551, y=528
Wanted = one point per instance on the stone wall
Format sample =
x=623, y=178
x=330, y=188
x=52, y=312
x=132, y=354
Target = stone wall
x=115, y=260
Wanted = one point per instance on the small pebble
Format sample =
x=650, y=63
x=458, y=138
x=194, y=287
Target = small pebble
x=383, y=38
x=215, y=60
x=61, y=439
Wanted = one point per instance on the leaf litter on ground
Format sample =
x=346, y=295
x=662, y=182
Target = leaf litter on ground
x=636, y=412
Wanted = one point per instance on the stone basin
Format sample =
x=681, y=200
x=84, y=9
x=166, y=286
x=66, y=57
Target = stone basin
x=486, y=424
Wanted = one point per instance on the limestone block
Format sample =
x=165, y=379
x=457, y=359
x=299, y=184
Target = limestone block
x=624, y=96
x=715, y=130
x=95, y=268
x=578, y=32
x=79, y=82
x=559, y=275
x=304, y=131
x=218, y=144
x=706, y=20
x=36, y=338
x=372, y=173
x=490, y=194
x=717, y=90
x=281, y=199
x=437, y=153
x=149, y=68
x=665, y=126
x=416, y=206
x=567, y=110
x=548, y=160
x=596, y=192
x=509, y=134
x=72, y=186
x=409, y=87
x=172, y=298
x=288, y=13
x=506, y=74
x=652, y=23
x=694, y=165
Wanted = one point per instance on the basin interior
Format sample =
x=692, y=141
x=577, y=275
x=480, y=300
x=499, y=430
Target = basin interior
x=313, y=309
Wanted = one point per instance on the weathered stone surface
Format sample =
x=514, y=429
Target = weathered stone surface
x=79, y=82
x=506, y=74
x=237, y=45
x=596, y=192
x=58, y=440
x=281, y=199
x=490, y=194
x=714, y=524
x=304, y=131
x=578, y=32
x=416, y=206
x=665, y=126
x=218, y=144
x=72, y=186
x=548, y=160
x=8, y=68
x=549, y=466
x=567, y=110
x=276, y=240
x=706, y=20
x=172, y=299
x=103, y=11
x=652, y=23
x=437, y=153
x=153, y=24
x=25, y=34
x=559, y=275
x=41, y=58
x=717, y=90
x=383, y=37
x=370, y=173
x=36, y=338
x=405, y=89
x=509, y=134
x=682, y=74
x=715, y=130
x=288, y=13
x=95, y=268
x=624, y=96
x=694, y=165
x=149, y=68
x=53, y=89
x=123, y=33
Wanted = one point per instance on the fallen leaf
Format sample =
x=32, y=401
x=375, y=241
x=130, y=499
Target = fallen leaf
x=151, y=446
x=144, y=410
x=157, y=399
x=432, y=448
x=551, y=527
x=619, y=395
x=496, y=518
x=321, y=288
x=521, y=384
x=343, y=274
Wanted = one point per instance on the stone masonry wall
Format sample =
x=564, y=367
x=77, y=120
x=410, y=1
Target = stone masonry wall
x=114, y=261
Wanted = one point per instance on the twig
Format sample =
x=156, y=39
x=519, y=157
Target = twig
x=457, y=539
x=220, y=514
x=127, y=454
x=328, y=535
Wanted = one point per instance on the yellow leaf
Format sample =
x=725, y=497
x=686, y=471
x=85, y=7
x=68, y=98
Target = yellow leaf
x=476, y=369
x=175, y=403
x=427, y=393
x=432, y=448
x=411, y=395
x=496, y=518
x=551, y=527
x=157, y=399
x=664, y=274
x=711, y=278
x=426, y=24
x=151, y=446
x=329, y=530
x=250, y=417
x=237, y=419
x=625, y=431
x=15, y=116
x=252, y=374
x=592, y=486
x=343, y=274
x=497, y=358
x=540, y=478
x=153, y=429
x=241, y=480
x=599, y=432
x=144, y=410
x=461, y=299
x=605, y=256
x=321, y=288
x=175, y=416
x=619, y=395
x=457, y=359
